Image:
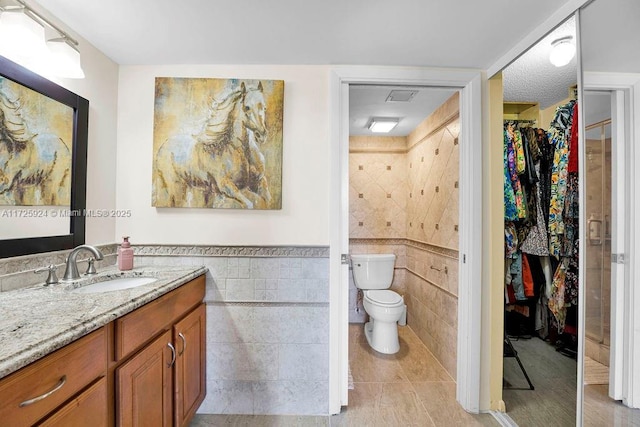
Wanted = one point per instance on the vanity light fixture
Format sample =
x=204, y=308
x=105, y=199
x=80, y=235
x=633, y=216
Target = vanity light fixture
x=562, y=51
x=382, y=124
x=21, y=38
x=65, y=58
x=36, y=43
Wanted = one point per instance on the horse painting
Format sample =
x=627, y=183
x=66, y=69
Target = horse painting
x=35, y=168
x=222, y=164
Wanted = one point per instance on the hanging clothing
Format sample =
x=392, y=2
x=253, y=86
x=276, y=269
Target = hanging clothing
x=571, y=216
x=510, y=208
x=547, y=151
x=537, y=241
x=530, y=176
x=557, y=303
x=509, y=296
x=559, y=134
x=527, y=277
x=573, y=143
x=516, y=137
x=510, y=240
x=521, y=208
x=517, y=277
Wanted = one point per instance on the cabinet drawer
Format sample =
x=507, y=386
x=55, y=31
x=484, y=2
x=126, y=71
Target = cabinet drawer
x=138, y=327
x=91, y=404
x=57, y=376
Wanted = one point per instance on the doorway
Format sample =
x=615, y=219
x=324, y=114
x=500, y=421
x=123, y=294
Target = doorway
x=470, y=227
x=597, y=297
x=607, y=363
x=403, y=200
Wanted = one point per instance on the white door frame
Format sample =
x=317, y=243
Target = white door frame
x=470, y=263
x=625, y=289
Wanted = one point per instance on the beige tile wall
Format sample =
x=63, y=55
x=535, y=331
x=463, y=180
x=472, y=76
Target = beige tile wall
x=404, y=200
x=377, y=187
x=432, y=207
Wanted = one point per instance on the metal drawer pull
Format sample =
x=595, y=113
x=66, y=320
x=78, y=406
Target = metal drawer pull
x=184, y=344
x=173, y=354
x=58, y=386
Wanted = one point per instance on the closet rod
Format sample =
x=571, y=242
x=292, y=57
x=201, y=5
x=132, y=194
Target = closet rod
x=520, y=121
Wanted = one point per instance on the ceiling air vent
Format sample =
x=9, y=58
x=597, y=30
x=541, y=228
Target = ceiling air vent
x=401, y=95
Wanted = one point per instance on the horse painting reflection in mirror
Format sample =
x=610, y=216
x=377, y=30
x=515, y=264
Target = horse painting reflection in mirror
x=209, y=139
x=35, y=160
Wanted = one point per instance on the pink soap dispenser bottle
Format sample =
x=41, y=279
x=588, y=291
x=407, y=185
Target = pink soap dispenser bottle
x=125, y=255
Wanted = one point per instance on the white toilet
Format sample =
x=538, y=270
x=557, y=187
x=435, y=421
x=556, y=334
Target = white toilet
x=373, y=273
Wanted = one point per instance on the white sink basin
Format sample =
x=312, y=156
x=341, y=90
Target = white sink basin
x=115, y=285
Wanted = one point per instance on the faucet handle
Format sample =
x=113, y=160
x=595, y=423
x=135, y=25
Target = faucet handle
x=52, y=278
x=91, y=268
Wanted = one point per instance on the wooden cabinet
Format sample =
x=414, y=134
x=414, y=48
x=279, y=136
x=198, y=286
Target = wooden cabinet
x=35, y=391
x=146, y=368
x=163, y=383
x=88, y=405
x=189, y=336
x=145, y=386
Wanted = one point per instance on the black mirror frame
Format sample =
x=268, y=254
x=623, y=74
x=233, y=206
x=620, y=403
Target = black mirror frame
x=76, y=236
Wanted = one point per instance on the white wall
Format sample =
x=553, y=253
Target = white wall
x=304, y=218
x=100, y=87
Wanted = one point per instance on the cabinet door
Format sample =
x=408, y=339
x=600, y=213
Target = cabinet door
x=144, y=385
x=189, y=337
x=89, y=405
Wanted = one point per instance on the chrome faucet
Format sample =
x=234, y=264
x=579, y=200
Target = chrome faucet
x=71, y=270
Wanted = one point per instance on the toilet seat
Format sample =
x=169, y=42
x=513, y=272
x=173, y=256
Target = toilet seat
x=384, y=297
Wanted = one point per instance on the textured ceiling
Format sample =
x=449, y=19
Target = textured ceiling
x=533, y=78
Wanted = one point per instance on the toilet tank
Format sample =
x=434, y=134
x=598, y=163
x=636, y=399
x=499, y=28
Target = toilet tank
x=373, y=271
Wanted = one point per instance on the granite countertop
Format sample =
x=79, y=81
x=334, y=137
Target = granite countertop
x=38, y=320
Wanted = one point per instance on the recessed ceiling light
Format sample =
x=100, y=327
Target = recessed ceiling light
x=382, y=124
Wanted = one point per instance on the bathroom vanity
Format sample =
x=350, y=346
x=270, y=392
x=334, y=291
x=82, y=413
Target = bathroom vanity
x=120, y=357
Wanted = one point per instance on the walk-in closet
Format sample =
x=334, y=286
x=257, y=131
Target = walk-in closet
x=541, y=233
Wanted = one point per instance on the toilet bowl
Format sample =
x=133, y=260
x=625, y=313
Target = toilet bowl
x=373, y=273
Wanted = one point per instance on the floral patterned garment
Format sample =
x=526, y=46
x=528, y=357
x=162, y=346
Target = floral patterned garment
x=519, y=149
x=557, y=302
x=510, y=239
x=558, y=190
x=537, y=241
x=510, y=208
x=571, y=216
x=521, y=207
x=558, y=134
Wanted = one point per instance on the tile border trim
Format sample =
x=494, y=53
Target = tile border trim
x=233, y=251
x=439, y=250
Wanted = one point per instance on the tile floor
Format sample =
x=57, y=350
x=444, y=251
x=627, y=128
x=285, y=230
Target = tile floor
x=409, y=388
x=553, y=402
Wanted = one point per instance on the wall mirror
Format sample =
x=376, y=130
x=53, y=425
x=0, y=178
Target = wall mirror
x=541, y=218
x=43, y=153
x=611, y=84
